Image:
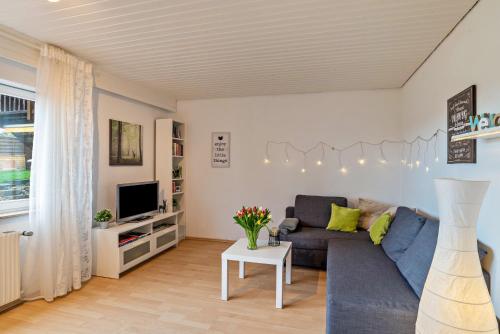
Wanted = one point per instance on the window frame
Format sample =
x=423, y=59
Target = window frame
x=18, y=206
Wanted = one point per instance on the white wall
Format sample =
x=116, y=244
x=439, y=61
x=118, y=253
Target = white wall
x=213, y=195
x=111, y=106
x=470, y=55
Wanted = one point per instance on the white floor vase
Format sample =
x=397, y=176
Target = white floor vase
x=455, y=297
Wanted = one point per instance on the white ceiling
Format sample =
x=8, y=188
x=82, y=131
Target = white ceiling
x=222, y=48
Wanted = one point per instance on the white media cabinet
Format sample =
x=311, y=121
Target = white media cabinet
x=110, y=259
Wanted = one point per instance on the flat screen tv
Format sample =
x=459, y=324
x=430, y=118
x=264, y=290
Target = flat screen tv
x=136, y=201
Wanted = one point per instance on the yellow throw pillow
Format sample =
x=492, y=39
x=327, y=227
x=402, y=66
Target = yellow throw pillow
x=380, y=228
x=343, y=219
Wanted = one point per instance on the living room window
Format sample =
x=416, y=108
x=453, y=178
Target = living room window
x=17, y=108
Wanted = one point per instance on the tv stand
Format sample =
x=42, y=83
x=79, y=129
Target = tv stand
x=140, y=241
x=140, y=219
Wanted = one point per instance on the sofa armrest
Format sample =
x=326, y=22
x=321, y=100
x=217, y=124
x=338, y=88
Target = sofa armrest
x=290, y=212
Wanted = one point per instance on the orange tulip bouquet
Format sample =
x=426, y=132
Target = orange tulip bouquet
x=252, y=220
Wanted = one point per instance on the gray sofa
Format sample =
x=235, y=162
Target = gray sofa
x=370, y=289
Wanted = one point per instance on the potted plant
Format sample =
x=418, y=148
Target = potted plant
x=252, y=220
x=103, y=217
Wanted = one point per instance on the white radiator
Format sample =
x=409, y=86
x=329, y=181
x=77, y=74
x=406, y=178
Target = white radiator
x=10, y=272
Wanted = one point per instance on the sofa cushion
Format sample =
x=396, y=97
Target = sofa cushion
x=343, y=219
x=366, y=292
x=415, y=263
x=370, y=211
x=404, y=228
x=315, y=211
x=317, y=238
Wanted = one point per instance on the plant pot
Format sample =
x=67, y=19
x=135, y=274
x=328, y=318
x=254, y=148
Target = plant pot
x=104, y=225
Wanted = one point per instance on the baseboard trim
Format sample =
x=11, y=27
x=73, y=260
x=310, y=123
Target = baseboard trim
x=10, y=305
x=210, y=239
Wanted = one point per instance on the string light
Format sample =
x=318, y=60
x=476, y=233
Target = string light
x=342, y=169
x=403, y=149
x=425, y=157
x=287, y=156
x=267, y=161
x=320, y=161
x=436, y=157
x=417, y=161
x=406, y=155
x=383, y=159
x=362, y=159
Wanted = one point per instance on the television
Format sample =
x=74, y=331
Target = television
x=136, y=201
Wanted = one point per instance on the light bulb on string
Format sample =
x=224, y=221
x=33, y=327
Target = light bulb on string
x=320, y=161
x=267, y=161
x=436, y=157
x=409, y=159
x=287, y=156
x=362, y=159
x=303, y=169
x=342, y=169
x=403, y=149
x=417, y=162
x=383, y=159
x=425, y=157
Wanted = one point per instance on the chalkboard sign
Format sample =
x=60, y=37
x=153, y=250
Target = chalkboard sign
x=221, y=149
x=460, y=108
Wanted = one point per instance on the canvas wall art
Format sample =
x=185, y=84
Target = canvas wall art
x=125, y=143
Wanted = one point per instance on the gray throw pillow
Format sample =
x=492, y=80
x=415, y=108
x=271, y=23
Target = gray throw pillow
x=288, y=225
x=416, y=262
x=403, y=230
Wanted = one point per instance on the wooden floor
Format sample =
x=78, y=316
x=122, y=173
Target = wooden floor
x=179, y=292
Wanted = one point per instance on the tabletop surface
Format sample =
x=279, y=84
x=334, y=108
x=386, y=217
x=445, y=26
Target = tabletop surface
x=239, y=250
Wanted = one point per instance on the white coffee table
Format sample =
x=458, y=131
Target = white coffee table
x=263, y=254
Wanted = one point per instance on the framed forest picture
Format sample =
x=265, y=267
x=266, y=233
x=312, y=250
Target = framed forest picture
x=125, y=143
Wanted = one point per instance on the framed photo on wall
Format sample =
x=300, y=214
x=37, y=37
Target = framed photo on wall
x=460, y=108
x=221, y=149
x=125, y=143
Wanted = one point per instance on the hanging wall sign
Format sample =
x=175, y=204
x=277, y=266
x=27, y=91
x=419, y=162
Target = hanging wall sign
x=221, y=142
x=461, y=108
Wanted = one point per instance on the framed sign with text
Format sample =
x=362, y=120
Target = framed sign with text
x=461, y=108
x=221, y=149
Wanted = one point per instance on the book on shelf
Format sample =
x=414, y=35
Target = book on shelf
x=176, y=132
x=177, y=149
x=129, y=237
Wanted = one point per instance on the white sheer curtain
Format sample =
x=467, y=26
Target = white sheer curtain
x=58, y=257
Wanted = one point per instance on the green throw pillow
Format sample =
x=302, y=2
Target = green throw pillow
x=379, y=228
x=343, y=219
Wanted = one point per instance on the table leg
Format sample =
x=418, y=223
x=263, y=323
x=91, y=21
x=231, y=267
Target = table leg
x=289, y=267
x=242, y=269
x=279, y=285
x=224, y=280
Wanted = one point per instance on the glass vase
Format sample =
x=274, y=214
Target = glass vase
x=252, y=237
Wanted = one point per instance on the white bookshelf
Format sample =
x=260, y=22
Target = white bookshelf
x=169, y=132
x=111, y=259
